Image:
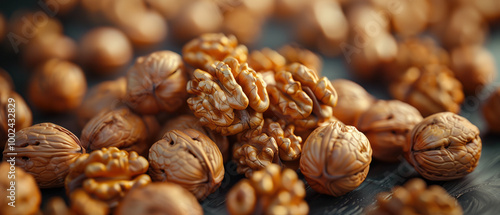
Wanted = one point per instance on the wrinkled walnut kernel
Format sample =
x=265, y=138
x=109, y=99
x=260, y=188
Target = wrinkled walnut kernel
x=266, y=60
x=295, y=54
x=27, y=194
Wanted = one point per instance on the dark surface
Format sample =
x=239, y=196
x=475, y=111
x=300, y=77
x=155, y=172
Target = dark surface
x=477, y=193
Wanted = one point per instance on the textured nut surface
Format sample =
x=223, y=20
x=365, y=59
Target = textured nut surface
x=46, y=151
x=159, y=198
x=268, y=191
x=229, y=97
x=335, y=159
x=430, y=89
x=295, y=54
x=157, y=82
x=266, y=59
x=353, y=100
x=27, y=194
x=491, y=111
x=188, y=158
x=414, y=197
x=57, y=86
x=474, y=67
x=444, y=146
x=386, y=124
x=21, y=114
x=107, y=174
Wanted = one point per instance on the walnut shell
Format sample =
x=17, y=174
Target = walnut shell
x=57, y=86
x=26, y=196
x=157, y=82
x=335, y=159
x=386, y=124
x=474, y=67
x=491, y=111
x=22, y=114
x=159, y=198
x=414, y=197
x=353, y=101
x=45, y=151
x=49, y=46
x=268, y=191
x=444, y=146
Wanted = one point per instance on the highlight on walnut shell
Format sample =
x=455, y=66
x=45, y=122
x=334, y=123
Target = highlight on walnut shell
x=18, y=108
x=444, y=146
x=107, y=174
x=386, y=124
x=491, y=111
x=24, y=196
x=268, y=191
x=46, y=151
x=335, y=159
x=353, y=101
x=156, y=83
x=159, y=198
x=414, y=197
x=188, y=158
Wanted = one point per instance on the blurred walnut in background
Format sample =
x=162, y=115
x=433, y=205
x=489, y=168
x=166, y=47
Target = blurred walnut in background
x=24, y=194
x=491, y=111
x=353, y=101
x=16, y=110
x=474, y=67
x=3, y=27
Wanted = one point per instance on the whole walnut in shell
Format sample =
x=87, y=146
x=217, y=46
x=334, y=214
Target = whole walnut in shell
x=156, y=83
x=444, y=146
x=353, y=101
x=188, y=158
x=335, y=159
x=269, y=191
x=24, y=195
x=474, y=67
x=107, y=174
x=414, y=197
x=386, y=124
x=17, y=118
x=491, y=111
x=159, y=198
x=45, y=151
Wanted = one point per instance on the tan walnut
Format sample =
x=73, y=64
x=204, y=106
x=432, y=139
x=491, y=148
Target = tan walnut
x=353, y=101
x=14, y=115
x=414, y=197
x=444, y=146
x=296, y=54
x=474, y=66
x=335, y=159
x=22, y=198
x=266, y=59
x=491, y=111
x=82, y=203
x=157, y=82
x=229, y=97
x=188, y=158
x=45, y=151
x=268, y=191
x=107, y=174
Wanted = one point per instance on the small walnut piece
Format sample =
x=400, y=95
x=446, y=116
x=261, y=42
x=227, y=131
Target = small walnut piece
x=474, y=67
x=107, y=174
x=444, y=146
x=188, y=158
x=414, y=197
x=386, y=125
x=24, y=195
x=22, y=112
x=268, y=191
x=83, y=204
x=491, y=111
x=353, y=101
x=157, y=82
x=57, y=86
x=45, y=151
x=159, y=198
x=335, y=159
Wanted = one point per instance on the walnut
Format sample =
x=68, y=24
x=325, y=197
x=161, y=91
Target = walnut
x=206, y=49
x=229, y=97
x=243, y=22
x=107, y=174
x=335, y=159
x=25, y=194
x=189, y=121
x=491, y=111
x=301, y=97
x=159, y=198
x=49, y=46
x=45, y=151
x=274, y=143
x=265, y=60
x=414, y=197
x=464, y=26
x=56, y=206
x=386, y=125
x=268, y=191
x=430, y=89
x=409, y=13
x=196, y=18
x=353, y=100
x=188, y=158
x=157, y=82
x=57, y=86
x=474, y=67
x=120, y=128
x=104, y=96
x=295, y=54
x=6, y=83
x=22, y=114
x=82, y=204
x=444, y=146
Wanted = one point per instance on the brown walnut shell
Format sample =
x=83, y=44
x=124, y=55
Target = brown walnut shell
x=188, y=158
x=444, y=146
x=491, y=111
x=21, y=114
x=386, y=124
x=159, y=198
x=157, y=82
x=268, y=191
x=353, y=101
x=335, y=159
x=45, y=151
x=474, y=67
x=26, y=197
